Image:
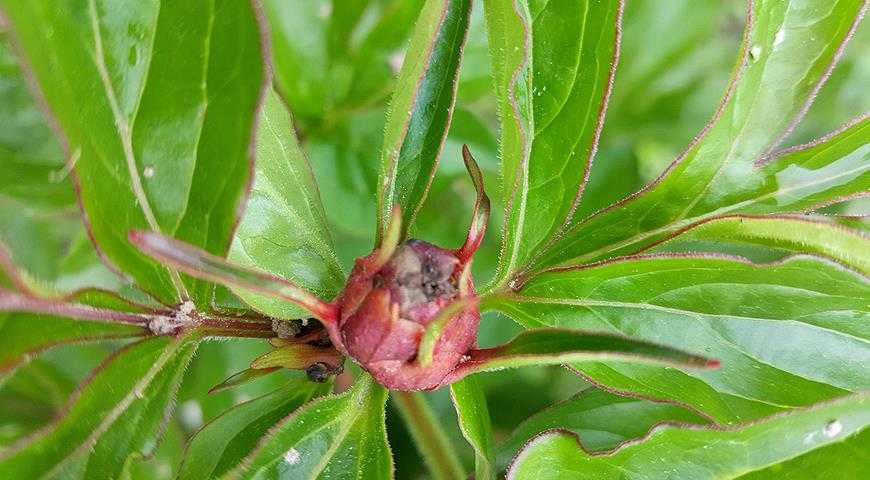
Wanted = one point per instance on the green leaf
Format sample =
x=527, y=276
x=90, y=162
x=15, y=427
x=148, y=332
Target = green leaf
x=26, y=335
x=340, y=436
x=553, y=64
x=788, y=49
x=214, y=362
x=162, y=140
x=555, y=346
x=673, y=452
x=845, y=460
x=25, y=130
x=30, y=156
x=421, y=108
x=376, y=57
x=116, y=412
x=788, y=334
x=298, y=36
x=474, y=421
x=334, y=58
x=600, y=419
x=284, y=230
x=222, y=443
x=794, y=234
x=32, y=397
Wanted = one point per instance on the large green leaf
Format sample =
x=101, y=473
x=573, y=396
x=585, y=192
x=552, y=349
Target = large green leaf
x=162, y=139
x=846, y=460
x=421, y=108
x=474, y=422
x=554, y=64
x=600, y=419
x=31, y=398
x=787, y=52
x=331, y=58
x=340, y=436
x=697, y=453
x=30, y=156
x=284, y=229
x=555, y=346
x=222, y=443
x=25, y=335
x=787, y=233
x=675, y=59
x=119, y=410
x=788, y=333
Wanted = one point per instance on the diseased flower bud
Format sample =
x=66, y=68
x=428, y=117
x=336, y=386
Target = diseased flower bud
x=385, y=312
x=408, y=313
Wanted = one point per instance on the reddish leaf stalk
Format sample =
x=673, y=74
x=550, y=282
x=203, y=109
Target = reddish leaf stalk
x=14, y=302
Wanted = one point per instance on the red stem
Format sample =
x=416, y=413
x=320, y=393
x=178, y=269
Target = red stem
x=15, y=302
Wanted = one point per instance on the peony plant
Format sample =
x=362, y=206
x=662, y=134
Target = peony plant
x=715, y=318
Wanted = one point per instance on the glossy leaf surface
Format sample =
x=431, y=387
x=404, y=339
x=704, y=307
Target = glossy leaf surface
x=225, y=441
x=554, y=346
x=553, y=64
x=284, y=228
x=25, y=335
x=118, y=411
x=698, y=452
x=162, y=140
x=762, y=321
x=793, y=234
x=839, y=461
x=421, y=109
x=787, y=52
x=601, y=420
x=340, y=436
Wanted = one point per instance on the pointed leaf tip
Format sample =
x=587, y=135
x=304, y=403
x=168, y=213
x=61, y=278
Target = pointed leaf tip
x=480, y=214
x=241, y=378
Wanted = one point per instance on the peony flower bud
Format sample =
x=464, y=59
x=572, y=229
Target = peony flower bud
x=400, y=293
x=386, y=310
